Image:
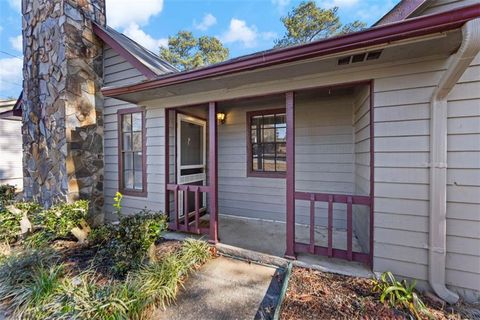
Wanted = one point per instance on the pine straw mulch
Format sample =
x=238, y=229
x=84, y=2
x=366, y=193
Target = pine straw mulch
x=315, y=295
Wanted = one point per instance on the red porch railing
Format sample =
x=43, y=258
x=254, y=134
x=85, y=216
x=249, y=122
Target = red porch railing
x=330, y=251
x=190, y=221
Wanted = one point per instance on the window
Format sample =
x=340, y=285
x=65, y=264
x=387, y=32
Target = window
x=132, y=164
x=266, y=144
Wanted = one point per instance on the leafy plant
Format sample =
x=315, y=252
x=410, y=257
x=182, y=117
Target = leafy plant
x=117, y=203
x=58, y=222
x=11, y=216
x=61, y=218
x=400, y=294
x=126, y=244
x=7, y=194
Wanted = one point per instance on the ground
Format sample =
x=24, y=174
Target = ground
x=226, y=288
x=317, y=295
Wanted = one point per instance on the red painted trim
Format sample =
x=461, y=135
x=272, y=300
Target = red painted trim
x=250, y=172
x=213, y=170
x=121, y=188
x=337, y=198
x=400, y=12
x=330, y=225
x=10, y=114
x=290, y=194
x=124, y=53
x=175, y=160
x=349, y=227
x=374, y=36
x=335, y=253
x=372, y=172
x=167, y=162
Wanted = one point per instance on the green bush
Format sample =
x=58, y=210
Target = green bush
x=125, y=245
x=10, y=218
x=7, y=194
x=57, y=222
x=47, y=224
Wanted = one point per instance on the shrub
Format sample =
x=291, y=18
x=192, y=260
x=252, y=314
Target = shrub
x=7, y=194
x=58, y=222
x=125, y=245
x=61, y=218
x=400, y=295
x=11, y=216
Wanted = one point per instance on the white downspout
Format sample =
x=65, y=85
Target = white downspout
x=457, y=65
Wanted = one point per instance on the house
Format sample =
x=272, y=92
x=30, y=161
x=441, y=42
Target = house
x=10, y=144
x=363, y=147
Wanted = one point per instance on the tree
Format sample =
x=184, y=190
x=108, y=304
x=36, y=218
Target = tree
x=307, y=22
x=186, y=52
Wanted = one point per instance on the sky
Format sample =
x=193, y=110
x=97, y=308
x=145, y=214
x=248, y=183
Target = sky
x=244, y=26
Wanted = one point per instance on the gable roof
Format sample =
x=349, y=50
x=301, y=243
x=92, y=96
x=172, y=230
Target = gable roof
x=400, y=12
x=147, y=62
x=381, y=34
x=11, y=109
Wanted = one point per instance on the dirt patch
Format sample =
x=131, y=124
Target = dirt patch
x=313, y=294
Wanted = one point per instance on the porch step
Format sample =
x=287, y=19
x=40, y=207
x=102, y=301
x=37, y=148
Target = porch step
x=324, y=264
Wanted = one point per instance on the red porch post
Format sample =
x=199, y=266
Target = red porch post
x=213, y=170
x=167, y=163
x=290, y=114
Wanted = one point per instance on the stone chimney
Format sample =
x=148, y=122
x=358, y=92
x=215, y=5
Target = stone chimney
x=62, y=110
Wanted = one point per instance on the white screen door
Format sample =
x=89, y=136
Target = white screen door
x=191, y=157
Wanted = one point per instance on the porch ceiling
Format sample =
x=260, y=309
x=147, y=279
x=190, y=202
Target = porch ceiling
x=441, y=44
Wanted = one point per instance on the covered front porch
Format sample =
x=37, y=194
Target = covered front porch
x=283, y=174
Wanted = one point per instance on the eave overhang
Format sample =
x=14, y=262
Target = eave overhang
x=383, y=34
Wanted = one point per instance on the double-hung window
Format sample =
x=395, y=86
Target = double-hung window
x=266, y=143
x=132, y=152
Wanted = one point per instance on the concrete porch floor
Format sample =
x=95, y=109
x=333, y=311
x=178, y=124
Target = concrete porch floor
x=270, y=236
x=264, y=241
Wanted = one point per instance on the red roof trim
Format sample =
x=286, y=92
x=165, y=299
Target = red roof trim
x=378, y=35
x=124, y=53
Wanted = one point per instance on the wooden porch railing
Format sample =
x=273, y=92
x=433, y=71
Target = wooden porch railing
x=187, y=224
x=330, y=251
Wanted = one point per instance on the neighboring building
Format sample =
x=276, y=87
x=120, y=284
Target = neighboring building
x=11, y=143
x=364, y=147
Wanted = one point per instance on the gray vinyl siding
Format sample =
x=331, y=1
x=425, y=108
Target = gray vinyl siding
x=402, y=120
x=11, y=153
x=118, y=71
x=324, y=161
x=361, y=125
x=463, y=181
x=401, y=115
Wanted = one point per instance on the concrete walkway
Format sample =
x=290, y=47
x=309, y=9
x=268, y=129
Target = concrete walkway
x=224, y=288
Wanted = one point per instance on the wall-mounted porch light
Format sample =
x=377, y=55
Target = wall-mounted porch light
x=221, y=117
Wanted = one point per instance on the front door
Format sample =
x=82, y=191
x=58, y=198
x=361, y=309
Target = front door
x=191, y=158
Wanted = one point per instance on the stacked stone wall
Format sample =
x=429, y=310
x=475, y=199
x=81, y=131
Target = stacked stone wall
x=62, y=116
